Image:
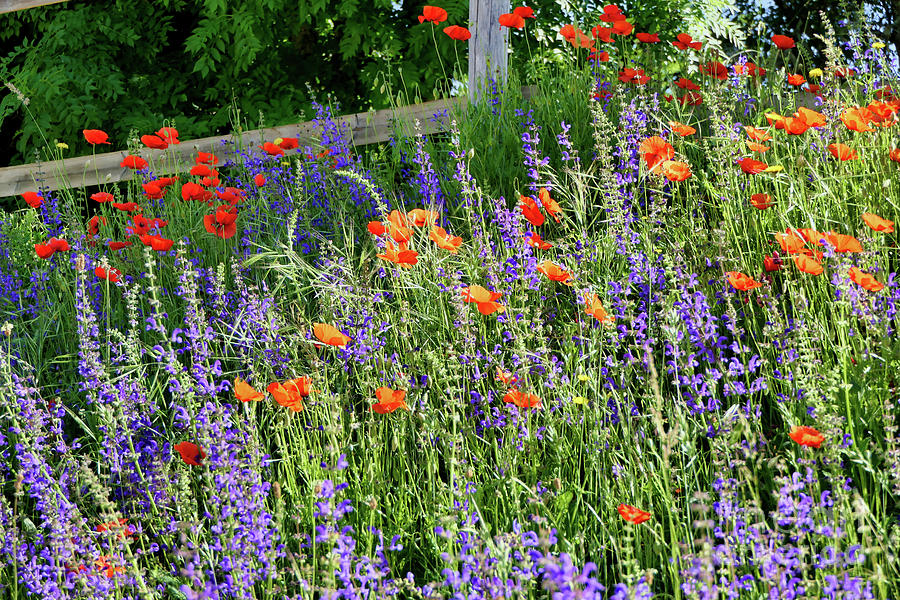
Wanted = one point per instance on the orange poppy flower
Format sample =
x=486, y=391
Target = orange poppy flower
x=682, y=129
x=389, y=400
x=783, y=42
x=554, y=272
x=521, y=399
x=134, y=162
x=455, y=32
x=291, y=393
x=843, y=243
x=154, y=141
x=531, y=211
x=594, y=308
x=190, y=453
x=109, y=570
x=633, y=514
x=864, y=280
x=857, y=118
x=118, y=524
x=331, y=335
x=512, y=20
x=245, y=392
x=790, y=242
x=807, y=436
x=420, y=217
x=761, y=201
x=760, y=135
x=506, y=378
x=877, y=223
x=796, y=79
x=444, y=240
x=376, y=228
x=808, y=265
x=655, y=151
x=483, y=298
x=741, y=282
x=549, y=204
x=842, y=152
x=676, y=170
x=756, y=147
x=535, y=241
x=751, y=166
x=400, y=256
x=435, y=14
x=894, y=155
x=33, y=199
x=811, y=117
x=95, y=136
x=793, y=125
x=398, y=224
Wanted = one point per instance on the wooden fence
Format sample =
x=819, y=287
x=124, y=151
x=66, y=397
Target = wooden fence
x=487, y=57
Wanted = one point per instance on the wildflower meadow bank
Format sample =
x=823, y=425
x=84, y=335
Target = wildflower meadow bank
x=633, y=337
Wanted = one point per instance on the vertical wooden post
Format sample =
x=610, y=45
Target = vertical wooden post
x=487, y=47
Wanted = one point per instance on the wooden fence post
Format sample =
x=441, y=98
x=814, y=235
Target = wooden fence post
x=487, y=48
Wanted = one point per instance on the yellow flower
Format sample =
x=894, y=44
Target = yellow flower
x=878, y=45
x=582, y=378
x=278, y=141
x=286, y=163
x=815, y=73
x=62, y=145
x=774, y=169
x=579, y=400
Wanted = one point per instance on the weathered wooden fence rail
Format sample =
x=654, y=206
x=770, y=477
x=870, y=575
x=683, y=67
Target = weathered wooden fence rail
x=7, y=6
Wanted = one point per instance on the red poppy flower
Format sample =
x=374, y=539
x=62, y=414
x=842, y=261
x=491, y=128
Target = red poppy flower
x=288, y=143
x=231, y=195
x=33, y=199
x=894, y=155
x=389, y=400
x=864, y=280
x=160, y=244
x=877, y=223
x=622, y=27
x=655, y=151
x=535, y=241
x=95, y=136
x=635, y=76
x=521, y=399
x=127, y=206
x=59, y=245
x=807, y=436
x=808, y=265
x=675, y=170
x=419, y=217
x=604, y=34
x=455, y=32
x=531, y=211
x=749, y=69
x=554, y=272
x=525, y=12
x=206, y=158
x=195, y=191
x=444, y=240
x=796, y=79
x=842, y=152
x=169, y=134
x=154, y=141
x=201, y=171
x=222, y=222
x=376, y=228
x=245, y=392
x=331, y=335
x=44, y=250
x=741, y=282
x=632, y=514
x=506, y=378
x=259, y=180
x=272, y=150
x=434, y=14
x=691, y=99
x=761, y=201
x=686, y=84
x=94, y=224
x=612, y=13
x=647, y=38
x=771, y=262
x=751, y=166
x=682, y=129
x=134, y=162
x=291, y=393
x=512, y=20
x=783, y=42
x=714, y=69
x=190, y=453
x=116, y=246
x=549, y=204
x=118, y=524
x=683, y=41
x=153, y=191
x=112, y=275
